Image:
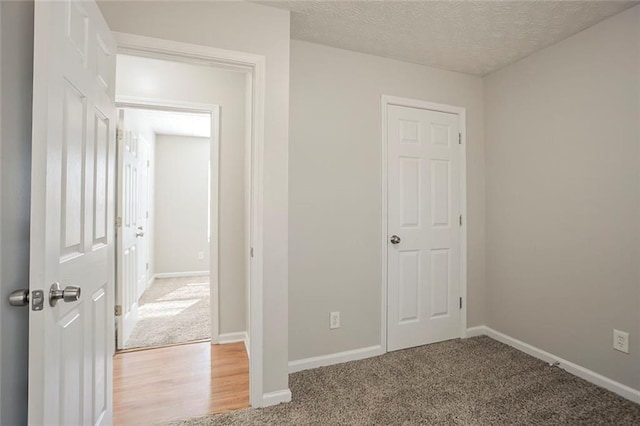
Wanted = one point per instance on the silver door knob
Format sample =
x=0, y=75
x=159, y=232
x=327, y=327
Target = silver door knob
x=140, y=232
x=68, y=294
x=395, y=239
x=19, y=297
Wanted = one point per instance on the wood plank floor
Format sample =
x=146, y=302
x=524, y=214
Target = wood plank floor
x=171, y=383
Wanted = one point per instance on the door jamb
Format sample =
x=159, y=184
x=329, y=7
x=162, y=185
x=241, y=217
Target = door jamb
x=214, y=147
x=254, y=66
x=385, y=102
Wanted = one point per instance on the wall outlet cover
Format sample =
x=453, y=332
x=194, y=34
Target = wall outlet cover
x=621, y=341
x=334, y=320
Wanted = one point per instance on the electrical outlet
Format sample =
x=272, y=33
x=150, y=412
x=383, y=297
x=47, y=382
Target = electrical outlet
x=334, y=320
x=200, y=255
x=621, y=341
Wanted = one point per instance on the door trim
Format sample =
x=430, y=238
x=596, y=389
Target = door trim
x=254, y=66
x=385, y=102
x=214, y=147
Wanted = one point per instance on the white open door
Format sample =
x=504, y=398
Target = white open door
x=143, y=215
x=72, y=216
x=130, y=229
x=423, y=224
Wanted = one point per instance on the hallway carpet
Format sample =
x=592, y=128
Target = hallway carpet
x=171, y=311
x=476, y=381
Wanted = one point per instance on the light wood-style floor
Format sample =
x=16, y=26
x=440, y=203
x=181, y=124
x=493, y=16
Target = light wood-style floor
x=176, y=382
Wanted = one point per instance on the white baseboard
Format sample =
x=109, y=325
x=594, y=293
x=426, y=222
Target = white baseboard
x=182, y=274
x=480, y=330
x=225, y=338
x=575, y=369
x=247, y=345
x=337, y=358
x=150, y=281
x=275, y=398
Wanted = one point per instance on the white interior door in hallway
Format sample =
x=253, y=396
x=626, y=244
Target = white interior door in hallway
x=72, y=237
x=423, y=224
x=131, y=223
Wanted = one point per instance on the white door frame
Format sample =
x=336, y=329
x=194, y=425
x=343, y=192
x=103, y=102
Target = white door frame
x=214, y=149
x=386, y=101
x=254, y=66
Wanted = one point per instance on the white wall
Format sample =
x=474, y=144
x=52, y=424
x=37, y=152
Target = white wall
x=181, y=204
x=335, y=190
x=16, y=49
x=563, y=197
x=165, y=80
x=262, y=30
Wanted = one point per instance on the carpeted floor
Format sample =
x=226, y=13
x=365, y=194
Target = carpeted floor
x=172, y=310
x=476, y=381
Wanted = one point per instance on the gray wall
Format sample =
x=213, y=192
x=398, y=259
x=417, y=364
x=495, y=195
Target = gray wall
x=563, y=197
x=15, y=167
x=335, y=190
x=181, y=205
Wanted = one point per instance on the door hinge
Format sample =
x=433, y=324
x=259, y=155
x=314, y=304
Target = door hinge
x=148, y=163
x=251, y=252
x=119, y=135
x=147, y=266
x=460, y=220
x=118, y=222
x=461, y=303
x=460, y=138
x=118, y=310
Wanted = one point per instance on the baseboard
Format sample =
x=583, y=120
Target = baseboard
x=150, y=281
x=182, y=274
x=275, y=398
x=480, y=330
x=240, y=336
x=337, y=358
x=575, y=369
x=247, y=345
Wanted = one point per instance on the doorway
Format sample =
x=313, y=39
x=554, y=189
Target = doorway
x=424, y=226
x=164, y=222
x=195, y=118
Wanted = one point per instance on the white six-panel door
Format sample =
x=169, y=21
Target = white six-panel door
x=72, y=238
x=129, y=228
x=423, y=196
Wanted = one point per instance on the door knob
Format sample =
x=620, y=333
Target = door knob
x=19, y=297
x=68, y=294
x=395, y=239
x=140, y=232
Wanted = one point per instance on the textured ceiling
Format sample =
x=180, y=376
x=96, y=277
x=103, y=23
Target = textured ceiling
x=474, y=37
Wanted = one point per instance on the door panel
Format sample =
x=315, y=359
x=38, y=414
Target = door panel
x=131, y=226
x=143, y=215
x=423, y=206
x=72, y=193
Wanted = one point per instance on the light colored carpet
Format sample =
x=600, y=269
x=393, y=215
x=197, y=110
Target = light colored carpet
x=172, y=310
x=476, y=381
